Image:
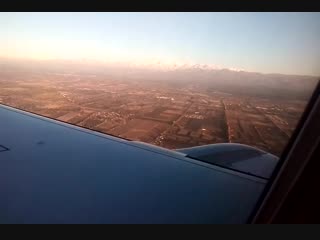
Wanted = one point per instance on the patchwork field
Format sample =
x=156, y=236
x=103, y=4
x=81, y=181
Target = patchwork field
x=152, y=112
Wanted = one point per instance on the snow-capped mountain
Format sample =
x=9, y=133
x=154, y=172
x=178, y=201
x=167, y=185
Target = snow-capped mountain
x=172, y=66
x=207, y=76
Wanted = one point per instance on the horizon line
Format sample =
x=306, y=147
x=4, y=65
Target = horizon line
x=104, y=62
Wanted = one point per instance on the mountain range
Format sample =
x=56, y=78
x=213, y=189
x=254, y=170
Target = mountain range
x=205, y=76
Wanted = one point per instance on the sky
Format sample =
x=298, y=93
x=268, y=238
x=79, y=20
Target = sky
x=261, y=42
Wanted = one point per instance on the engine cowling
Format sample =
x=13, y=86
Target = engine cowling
x=235, y=156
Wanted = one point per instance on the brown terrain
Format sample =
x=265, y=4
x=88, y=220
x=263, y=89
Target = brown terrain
x=153, y=111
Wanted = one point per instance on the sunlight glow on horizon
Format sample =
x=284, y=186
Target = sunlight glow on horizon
x=260, y=42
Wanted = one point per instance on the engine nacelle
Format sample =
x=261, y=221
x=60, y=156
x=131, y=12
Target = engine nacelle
x=235, y=156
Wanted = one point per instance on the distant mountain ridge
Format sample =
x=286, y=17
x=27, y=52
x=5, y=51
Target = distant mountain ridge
x=207, y=77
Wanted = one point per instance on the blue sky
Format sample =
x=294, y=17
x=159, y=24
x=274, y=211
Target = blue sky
x=262, y=42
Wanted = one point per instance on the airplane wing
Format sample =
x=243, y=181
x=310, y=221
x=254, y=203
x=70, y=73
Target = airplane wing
x=53, y=172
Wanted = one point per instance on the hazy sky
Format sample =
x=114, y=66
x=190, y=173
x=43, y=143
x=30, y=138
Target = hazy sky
x=263, y=42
